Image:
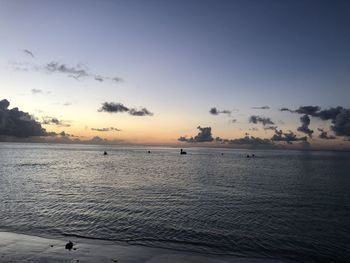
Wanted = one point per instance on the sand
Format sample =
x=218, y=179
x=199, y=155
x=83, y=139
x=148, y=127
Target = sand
x=26, y=248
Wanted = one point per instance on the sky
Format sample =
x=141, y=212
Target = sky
x=177, y=72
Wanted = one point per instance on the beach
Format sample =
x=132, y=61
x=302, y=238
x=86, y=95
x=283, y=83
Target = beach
x=27, y=248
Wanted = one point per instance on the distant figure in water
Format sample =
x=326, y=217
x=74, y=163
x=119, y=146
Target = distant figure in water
x=253, y=155
x=69, y=245
x=182, y=152
x=105, y=153
x=248, y=156
x=149, y=151
x=222, y=153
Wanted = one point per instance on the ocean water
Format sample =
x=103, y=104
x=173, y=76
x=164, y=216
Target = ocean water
x=289, y=205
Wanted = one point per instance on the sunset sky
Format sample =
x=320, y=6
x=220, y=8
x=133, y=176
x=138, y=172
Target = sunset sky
x=172, y=62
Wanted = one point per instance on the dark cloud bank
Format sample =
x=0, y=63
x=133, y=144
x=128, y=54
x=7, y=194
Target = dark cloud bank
x=205, y=135
x=113, y=107
x=14, y=122
x=339, y=117
x=16, y=125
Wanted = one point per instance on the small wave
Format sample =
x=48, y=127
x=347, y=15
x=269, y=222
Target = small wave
x=32, y=164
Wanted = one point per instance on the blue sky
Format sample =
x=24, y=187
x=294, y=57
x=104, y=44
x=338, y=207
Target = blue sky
x=178, y=59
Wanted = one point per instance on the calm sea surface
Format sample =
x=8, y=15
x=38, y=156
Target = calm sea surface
x=289, y=205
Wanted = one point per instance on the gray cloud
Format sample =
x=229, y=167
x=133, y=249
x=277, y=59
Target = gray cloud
x=341, y=123
x=14, y=122
x=304, y=128
x=329, y=114
x=309, y=110
x=247, y=140
x=204, y=135
x=261, y=108
x=36, y=91
x=54, y=121
x=339, y=116
x=285, y=109
x=105, y=129
x=28, y=52
x=55, y=67
x=325, y=135
x=99, y=78
x=215, y=111
x=117, y=79
x=257, y=119
x=288, y=137
x=270, y=128
x=141, y=112
x=113, y=107
x=77, y=71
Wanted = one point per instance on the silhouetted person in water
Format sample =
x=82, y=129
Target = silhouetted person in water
x=149, y=151
x=248, y=156
x=182, y=152
x=105, y=153
x=69, y=245
x=253, y=155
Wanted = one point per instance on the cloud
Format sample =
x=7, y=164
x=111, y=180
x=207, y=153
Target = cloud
x=117, y=79
x=341, y=123
x=324, y=135
x=204, y=135
x=141, y=112
x=247, y=140
x=309, y=110
x=14, y=122
x=28, y=52
x=99, y=78
x=288, y=137
x=55, y=67
x=215, y=111
x=54, y=121
x=304, y=128
x=270, y=128
x=113, y=107
x=77, y=71
x=253, y=129
x=285, y=109
x=329, y=114
x=234, y=120
x=261, y=108
x=105, y=129
x=339, y=116
x=257, y=119
x=36, y=91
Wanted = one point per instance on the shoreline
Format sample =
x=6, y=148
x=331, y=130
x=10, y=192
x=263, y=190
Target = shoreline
x=30, y=248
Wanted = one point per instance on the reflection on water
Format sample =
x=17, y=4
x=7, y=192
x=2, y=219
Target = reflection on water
x=282, y=204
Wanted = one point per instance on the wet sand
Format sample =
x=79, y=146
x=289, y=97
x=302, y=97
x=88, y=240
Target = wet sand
x=25, y=248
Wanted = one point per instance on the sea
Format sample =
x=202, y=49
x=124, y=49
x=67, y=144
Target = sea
x=287, y=205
